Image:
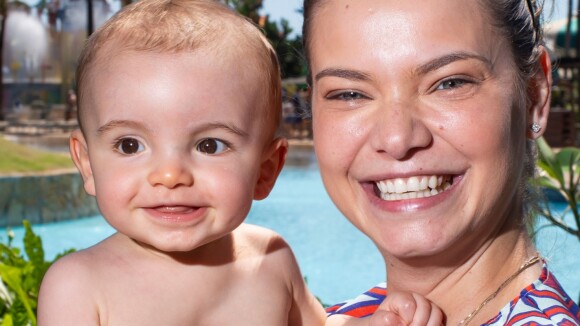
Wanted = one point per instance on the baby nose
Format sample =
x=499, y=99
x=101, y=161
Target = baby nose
x=171, y=175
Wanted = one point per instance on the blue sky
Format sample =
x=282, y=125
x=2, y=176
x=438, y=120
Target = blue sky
x=560, y=8
x=278, y=9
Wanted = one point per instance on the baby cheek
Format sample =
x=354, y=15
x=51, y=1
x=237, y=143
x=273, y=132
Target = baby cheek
x=115, y=187
x=232, y=182
x=233, y=193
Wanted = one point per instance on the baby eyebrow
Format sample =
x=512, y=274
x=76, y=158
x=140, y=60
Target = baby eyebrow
x=227, y=127
x=444, y=60
x=343, y=73
x=136, y=125
x=119, y=123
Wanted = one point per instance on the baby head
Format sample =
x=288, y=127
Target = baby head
x=179, y=102
x=181, y=26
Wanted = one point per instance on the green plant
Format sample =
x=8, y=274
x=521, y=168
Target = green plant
x=20, y=278
x=560, y=172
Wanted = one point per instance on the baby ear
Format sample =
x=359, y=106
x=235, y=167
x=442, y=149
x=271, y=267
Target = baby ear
x=80, y=156
x=272, y=164
x=540, y=90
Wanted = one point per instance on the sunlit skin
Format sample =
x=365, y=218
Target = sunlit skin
x=407, y=89
x=175, y=156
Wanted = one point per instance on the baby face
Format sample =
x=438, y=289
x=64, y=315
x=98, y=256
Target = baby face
x=175, y=145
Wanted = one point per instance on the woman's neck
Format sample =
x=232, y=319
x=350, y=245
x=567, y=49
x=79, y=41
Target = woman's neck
x=460, y=285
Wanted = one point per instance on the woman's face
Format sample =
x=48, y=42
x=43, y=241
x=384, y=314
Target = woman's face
x=416, y=128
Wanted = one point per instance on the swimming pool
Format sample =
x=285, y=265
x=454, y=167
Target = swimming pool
x=338, y=261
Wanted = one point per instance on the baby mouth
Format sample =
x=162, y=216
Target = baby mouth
x=174, y=209
x=176, y=213
x=413, y=187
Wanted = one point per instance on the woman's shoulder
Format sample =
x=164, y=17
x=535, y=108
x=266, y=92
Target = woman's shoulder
x=543, y=301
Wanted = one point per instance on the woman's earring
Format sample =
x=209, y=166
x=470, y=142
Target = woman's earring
x=535, y=128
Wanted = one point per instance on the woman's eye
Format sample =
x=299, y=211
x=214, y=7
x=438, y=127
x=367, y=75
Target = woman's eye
x=129, y=146
x=347, y=96
x=452, y=83
x=212, y=146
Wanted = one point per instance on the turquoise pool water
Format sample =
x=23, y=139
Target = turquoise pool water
x=338, y=261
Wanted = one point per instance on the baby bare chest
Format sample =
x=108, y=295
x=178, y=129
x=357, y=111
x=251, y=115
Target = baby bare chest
x=207, y=295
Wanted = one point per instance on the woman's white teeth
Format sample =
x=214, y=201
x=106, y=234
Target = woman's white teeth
x=413, y=187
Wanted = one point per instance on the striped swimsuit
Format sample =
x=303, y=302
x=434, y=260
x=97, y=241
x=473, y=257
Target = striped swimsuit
x=543, y=302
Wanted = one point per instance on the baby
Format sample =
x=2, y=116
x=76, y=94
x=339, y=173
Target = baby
x=179, y=102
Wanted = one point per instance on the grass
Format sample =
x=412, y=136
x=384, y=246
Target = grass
x=16, y=158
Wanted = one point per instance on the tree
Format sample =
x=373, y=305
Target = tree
x=288, y=50
x=560, y=173
x=248, y=8
x=4, y=15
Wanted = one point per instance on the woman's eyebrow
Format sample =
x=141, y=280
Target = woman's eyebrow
x=447, y=59
x=421, y=70
x=342, y=73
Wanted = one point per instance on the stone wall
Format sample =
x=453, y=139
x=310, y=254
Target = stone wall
x=44, y=198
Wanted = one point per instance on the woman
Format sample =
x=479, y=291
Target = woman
x=424, y=116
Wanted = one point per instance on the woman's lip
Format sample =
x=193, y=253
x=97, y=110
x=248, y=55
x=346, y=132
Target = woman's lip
x=177, y=213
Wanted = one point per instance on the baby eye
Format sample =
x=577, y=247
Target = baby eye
x=129, y=146
x=347, y=96
x=452, y=83
x=212, y=146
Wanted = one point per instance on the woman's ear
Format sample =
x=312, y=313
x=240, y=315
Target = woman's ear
x=80, y=155
x=272, y=163
x=541, y=89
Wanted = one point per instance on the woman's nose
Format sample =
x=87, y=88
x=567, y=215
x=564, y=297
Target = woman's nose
x=400, y=131
x=171, y=173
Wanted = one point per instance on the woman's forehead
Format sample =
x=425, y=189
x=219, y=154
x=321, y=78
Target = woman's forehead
x=431, y=12
x=394, y=30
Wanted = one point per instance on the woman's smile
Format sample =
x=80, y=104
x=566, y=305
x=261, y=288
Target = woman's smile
x=413, y=187
x=412, y=194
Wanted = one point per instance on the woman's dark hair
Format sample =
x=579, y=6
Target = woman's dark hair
x=520, y=22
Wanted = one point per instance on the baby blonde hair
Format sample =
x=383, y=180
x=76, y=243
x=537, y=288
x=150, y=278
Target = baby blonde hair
x=174, y=26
